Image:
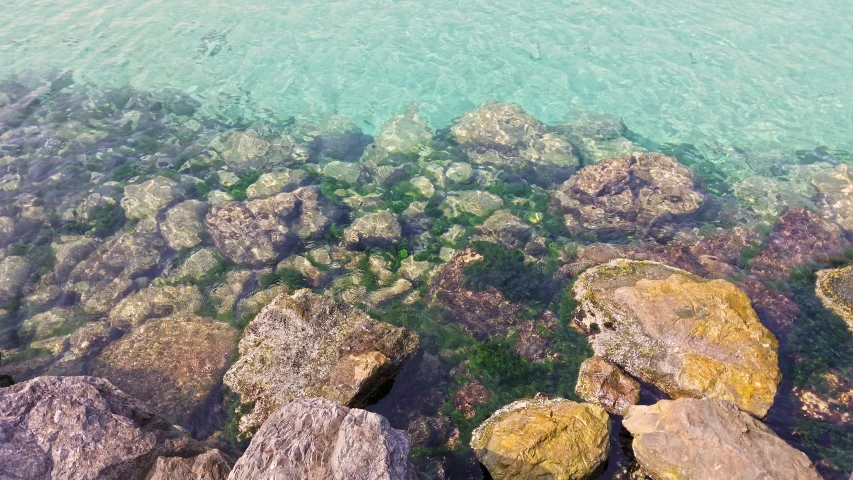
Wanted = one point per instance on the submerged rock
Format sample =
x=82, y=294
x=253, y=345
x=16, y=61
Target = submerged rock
x=307, y=345
x=380, y=229
x=184, y=225
x=544, y=438
x=631, y=194
x=834, y=287
x=475, y=202
x=146, y=199
x=154, y=302
x=318, y=439
x=262, y=231
x=604, y=384
x=835, y=195
x=273, y=183
x=710, y=439
x=598, y=136
x=83, y=427
x=503, y=134
x=505, y=229
x=799, y=237
x=685, y=335
x=171, y=363
x=128, y=255
x=14, y=272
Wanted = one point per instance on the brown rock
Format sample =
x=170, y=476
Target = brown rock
x=632, y=194
x=604, y=384
x=172, y=363
x=82, y=427
x=800, y=237
x=210, y=465
x=710, y=439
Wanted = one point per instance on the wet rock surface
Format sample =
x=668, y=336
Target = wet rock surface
x=317, y=438
x=709, y=439
x=544, y=438
x=307, y=345
x=630, y=194
x=834, y=287
x=83, y=427
x=685, y=335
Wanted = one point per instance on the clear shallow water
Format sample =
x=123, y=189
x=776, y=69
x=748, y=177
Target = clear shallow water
x=750, y=73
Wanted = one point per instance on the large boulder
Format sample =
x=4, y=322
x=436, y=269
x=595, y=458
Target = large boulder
x=709, y=439
x=183, y=226
x=604, y=384
x=318, y=438
x=147, y=199
x=799, y=237
x=380, y=229
x=503, y=134
x=262, y=231
x=686, y=335
x=544, y=438
x=631, y=194
x=834, y=287
x=172, y=363
x=83, y=427
x=307, y=345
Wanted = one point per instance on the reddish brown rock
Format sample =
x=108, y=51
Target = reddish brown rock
x=606, y=385
x=632, y=194
x=800, y=237
x=471, y=393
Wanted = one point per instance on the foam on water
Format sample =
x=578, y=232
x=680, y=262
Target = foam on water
x=744, y=72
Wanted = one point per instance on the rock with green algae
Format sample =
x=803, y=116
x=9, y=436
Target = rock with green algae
x=544, y=439
x=171, y=363
x=688, y=336
x=710, y=439
x=127, y=255
x=632, y=194
x=308, y=345
x=604, y=384
x=475, y=202
x=834, y=287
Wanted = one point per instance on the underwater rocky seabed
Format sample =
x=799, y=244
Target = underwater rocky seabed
x=142, y=234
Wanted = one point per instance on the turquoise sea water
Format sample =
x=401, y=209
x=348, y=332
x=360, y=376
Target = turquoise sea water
x=756, y=86
x=756, y=74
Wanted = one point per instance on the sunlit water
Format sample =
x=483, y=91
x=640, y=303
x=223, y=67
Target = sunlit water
x=769, y=77
x=748, y=73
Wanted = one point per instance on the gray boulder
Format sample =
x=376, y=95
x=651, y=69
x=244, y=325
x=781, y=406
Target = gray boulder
x=318, y=438
x=308, y=345
x=83, y=427
x=710, y=439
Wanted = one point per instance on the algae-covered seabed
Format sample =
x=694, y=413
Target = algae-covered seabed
x=756, y=98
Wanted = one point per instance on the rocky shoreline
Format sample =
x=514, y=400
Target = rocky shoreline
x=187, y=297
